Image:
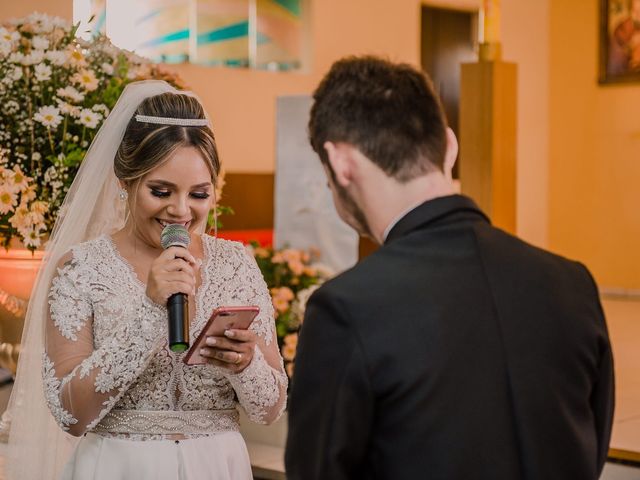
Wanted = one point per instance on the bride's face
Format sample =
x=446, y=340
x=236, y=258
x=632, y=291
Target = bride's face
x=178, y=191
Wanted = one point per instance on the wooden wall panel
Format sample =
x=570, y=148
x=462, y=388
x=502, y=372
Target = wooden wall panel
x=251, y=197
x=488, y=139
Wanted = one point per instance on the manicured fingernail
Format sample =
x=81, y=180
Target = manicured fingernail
x=211, y=341
x=203, y=351
x=229, y=333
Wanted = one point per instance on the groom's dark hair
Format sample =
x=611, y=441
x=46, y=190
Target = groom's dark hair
x=389, y=111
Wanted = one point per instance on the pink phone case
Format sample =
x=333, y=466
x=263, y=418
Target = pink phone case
x=222, y=318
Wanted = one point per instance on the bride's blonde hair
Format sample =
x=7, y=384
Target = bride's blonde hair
x=146, y=146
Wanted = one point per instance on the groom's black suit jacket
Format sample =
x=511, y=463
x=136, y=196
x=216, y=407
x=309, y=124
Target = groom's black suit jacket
x=455, y=351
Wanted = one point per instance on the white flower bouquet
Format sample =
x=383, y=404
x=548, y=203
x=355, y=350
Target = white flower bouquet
x=55, y=91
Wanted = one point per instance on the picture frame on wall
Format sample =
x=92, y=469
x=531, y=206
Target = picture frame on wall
x=619, y=41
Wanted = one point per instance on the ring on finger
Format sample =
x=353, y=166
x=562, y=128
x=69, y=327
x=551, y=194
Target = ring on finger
x=238, y=360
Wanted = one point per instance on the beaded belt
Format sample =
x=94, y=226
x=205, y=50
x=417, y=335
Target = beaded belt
x=167, y=422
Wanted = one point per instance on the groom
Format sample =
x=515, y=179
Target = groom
x=456, y=351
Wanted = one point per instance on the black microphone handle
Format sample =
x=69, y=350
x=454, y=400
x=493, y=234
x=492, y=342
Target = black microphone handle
x=178, y=307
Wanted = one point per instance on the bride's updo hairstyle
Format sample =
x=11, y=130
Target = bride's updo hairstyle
x=146, y=146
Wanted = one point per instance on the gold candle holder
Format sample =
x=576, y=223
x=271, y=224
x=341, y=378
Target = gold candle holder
x=490, y=52
x=490, y=49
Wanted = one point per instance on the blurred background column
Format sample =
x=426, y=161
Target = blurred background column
x=488, y=113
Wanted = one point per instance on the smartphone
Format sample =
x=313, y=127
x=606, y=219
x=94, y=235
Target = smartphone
x=222, y=318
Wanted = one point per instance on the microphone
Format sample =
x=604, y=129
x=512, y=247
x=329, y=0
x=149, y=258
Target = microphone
x=175, y=235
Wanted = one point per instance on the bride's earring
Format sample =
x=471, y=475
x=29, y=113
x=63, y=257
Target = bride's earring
x=123, y=195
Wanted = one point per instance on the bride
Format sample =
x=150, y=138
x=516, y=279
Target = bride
x=95, y=357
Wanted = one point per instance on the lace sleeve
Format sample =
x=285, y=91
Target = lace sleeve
x=262, y=386
x=83, y=382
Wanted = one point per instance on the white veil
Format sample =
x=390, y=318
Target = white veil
x=38, y=448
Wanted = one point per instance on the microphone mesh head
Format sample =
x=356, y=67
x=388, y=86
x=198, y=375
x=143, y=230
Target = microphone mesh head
x=175, y=235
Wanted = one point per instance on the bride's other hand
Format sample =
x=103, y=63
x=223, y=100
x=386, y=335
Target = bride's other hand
x=174, y=271
x=234, y=351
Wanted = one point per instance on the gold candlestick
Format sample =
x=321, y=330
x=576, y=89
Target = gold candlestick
x=490, y=48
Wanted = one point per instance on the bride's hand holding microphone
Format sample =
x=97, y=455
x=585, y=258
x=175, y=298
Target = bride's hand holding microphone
x=173, y=271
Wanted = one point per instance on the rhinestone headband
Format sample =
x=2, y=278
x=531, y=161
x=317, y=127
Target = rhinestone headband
x=183, y=122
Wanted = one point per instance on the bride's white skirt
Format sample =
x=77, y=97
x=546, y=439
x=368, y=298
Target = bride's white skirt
x=222, y=456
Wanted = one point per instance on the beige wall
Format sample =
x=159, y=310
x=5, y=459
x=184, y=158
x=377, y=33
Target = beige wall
x=242, y=103
x=20, y=8
x=525, y=32
x=594, y=204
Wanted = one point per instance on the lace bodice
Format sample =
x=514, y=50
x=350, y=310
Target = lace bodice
x=106, y=348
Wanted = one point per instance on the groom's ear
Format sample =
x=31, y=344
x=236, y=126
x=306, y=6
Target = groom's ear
x=339, y=162
x=451, y=153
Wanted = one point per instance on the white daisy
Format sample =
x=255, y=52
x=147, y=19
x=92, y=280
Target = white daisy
x=35, y=216
x=42, y=23
x=33, y=57
x=19, y=181
x=5, y=48
x=29, y=194
x=32, y=239
x=71, y=93
x=8, y=199
x=87, y=79
x=107, y=68
x=19, y=219
x=89, y=118
x=75, y=57
x=16, y=74
x=56, y=57
x=49, y=116
x=67, y=108
x=10, y=36
x=40, y=43
x=40, y=207
x=101, y=108
x=42, y=72
x=16, y=57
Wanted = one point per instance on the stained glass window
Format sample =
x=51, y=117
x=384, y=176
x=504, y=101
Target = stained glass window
x=264, y=34
x=279, y=34
x=222, y=32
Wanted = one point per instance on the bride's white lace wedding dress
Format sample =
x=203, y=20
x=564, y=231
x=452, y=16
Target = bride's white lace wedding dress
x=108, y=370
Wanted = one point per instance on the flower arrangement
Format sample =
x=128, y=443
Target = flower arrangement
x=55, y=92
x=291, y=276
